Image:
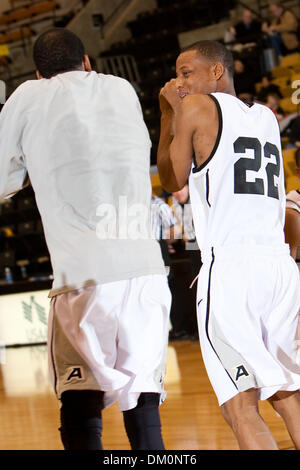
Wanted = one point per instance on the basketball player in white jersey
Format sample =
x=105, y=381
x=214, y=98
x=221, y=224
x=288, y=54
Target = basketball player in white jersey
x=248, y=287
x=81, y=138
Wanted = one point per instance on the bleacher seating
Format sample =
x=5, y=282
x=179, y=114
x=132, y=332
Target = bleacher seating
x=154, y=46
x=284, y=76
x=295, y=76
x=21, y=3
x=13, y=36
x=16, y=23
x=23, y=247
x=290, y=60
x=27, y=12
x=288, y=106
x=281, y=71
x=22, y=241
x=282, y=81
x=286, y=91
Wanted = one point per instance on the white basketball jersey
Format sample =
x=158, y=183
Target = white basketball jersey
x=238, y=195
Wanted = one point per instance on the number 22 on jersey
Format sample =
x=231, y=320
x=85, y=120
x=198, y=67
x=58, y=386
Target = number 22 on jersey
x=241, y=185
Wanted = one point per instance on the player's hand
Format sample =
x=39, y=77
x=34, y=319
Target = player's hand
x=170, y=93
x=164, y=105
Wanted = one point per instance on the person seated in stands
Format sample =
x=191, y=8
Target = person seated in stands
x=267, y=88
x=272, y=101
x=248, y=30
x=282, y=31
x=244, y=80
x=292, y=217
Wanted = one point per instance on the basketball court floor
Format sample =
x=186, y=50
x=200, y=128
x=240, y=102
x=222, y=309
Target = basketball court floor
x=190, y=416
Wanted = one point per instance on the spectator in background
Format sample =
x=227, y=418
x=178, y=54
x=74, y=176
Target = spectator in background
x=292, y=219
x=244, y=80
x=272, y=102
x=282, y=31
x=248, y=30
x=267, y=88
x=163, y=222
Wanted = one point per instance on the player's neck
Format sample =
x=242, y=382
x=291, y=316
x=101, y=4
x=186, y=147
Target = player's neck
x=233, y=93
x=227, y=86
x=229, y=89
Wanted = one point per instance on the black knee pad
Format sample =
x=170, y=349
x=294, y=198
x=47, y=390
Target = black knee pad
x=142, y=423
x=81, y=419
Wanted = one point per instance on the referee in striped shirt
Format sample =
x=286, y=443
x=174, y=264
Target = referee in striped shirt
x=163, y=222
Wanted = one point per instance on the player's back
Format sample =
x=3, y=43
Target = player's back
x=86, y=141
x=238, y=194
x=87, y=151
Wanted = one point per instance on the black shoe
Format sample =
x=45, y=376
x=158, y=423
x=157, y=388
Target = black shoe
x=178, y=335
x=194, y=337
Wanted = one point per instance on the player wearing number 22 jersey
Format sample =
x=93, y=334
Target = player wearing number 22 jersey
x=248, y=288
x=249, y=279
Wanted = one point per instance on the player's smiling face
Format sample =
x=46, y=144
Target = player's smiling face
x=194, y=74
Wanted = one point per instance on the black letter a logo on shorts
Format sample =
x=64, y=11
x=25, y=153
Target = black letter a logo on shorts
x=75, y=373
x=240, y=372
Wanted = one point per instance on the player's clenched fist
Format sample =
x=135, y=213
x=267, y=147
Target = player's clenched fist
x=169, y=95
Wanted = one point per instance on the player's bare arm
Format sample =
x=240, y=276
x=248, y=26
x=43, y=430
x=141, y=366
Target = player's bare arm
x=189, y=128
x=292, y=230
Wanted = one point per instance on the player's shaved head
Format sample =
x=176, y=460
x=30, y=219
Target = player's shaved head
x=56, y=51
x=213, y=51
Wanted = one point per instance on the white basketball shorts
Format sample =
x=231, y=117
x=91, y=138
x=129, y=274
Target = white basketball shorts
x=248, y=317
x=111, y=337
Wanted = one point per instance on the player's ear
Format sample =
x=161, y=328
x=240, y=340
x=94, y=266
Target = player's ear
x=38, y=75
x=218, y=70
x=87, y=64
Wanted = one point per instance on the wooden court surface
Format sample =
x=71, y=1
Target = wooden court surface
x=191, y=418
